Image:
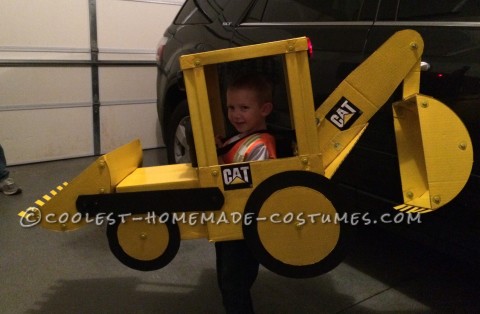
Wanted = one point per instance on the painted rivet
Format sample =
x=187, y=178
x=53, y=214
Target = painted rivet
x=436, y=199
x=425, y=104
x=409, y=194
x=291, y=48
x=462, y=146
x=101, y=191
x=214, y=173
x=101, y=163
x=143, y=235
x=413, y=45
x=63, y=226
x=298, y=226
x=196, y=63
x=304, y=160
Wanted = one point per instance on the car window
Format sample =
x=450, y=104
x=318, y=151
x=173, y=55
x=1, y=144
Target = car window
x=434, y=10
x=305, y=11
x=191, y=14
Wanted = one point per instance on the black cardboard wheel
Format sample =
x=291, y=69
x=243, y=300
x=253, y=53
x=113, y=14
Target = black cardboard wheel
x=141, y=245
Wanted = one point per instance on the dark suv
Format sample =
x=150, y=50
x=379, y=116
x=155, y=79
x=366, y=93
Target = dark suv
x=343, y=33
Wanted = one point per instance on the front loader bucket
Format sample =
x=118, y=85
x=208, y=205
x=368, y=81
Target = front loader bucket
x=434, y=152
x=57, y=210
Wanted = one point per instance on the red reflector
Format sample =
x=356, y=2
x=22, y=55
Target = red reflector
x=310, y=47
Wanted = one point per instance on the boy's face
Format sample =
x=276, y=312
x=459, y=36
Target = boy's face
x=245, y=111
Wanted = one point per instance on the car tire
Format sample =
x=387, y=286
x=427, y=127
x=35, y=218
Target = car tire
x=178, y=150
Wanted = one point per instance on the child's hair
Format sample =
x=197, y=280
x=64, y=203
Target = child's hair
x=256, y=82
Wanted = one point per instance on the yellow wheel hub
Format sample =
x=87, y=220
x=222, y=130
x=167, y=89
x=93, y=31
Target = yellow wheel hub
x=142, y=240
x=293, y=231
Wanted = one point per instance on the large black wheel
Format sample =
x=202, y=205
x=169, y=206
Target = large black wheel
x=290, y=224
x=141, y=245
x=178, y=149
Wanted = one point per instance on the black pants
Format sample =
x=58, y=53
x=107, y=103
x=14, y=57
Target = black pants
x=237, y=270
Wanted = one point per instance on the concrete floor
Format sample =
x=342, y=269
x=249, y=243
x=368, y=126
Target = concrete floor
x=48, y=272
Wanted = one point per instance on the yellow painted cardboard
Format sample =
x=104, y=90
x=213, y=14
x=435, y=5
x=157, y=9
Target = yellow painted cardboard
x=387, y=67
x=435, y=156
x=434, y=150
x=59, y=212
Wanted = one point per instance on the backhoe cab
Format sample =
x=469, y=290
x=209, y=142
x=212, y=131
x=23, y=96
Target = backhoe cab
x=272, y=203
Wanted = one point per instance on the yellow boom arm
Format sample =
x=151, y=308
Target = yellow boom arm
x=434, y=147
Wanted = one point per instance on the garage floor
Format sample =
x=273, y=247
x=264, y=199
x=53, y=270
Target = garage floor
x=48, y=272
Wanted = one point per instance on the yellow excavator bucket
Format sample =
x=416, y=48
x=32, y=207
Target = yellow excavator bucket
x=57, y=210
x=434, y=151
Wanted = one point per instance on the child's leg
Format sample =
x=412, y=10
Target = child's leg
x=237, y=270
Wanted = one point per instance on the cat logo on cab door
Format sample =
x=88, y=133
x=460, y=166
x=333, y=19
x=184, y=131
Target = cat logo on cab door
x=236, y=176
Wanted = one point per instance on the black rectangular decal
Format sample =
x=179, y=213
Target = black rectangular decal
x=343, y=114
x=236, y=176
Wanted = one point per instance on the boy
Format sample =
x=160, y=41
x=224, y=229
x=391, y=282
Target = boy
x=249, y=102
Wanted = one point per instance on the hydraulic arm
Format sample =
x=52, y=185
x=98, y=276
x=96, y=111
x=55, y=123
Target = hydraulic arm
x=434, y=148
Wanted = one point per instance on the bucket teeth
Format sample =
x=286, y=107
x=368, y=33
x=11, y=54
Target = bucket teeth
x=404, y=208
x=33, y=213
x=30, y=217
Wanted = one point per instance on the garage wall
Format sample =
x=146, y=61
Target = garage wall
x=77, y=77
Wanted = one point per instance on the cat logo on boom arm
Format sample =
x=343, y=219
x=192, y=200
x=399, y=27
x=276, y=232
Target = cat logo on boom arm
x=344, y=114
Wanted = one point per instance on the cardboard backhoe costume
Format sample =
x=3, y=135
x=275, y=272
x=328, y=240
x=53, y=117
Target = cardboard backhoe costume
x=434, y=151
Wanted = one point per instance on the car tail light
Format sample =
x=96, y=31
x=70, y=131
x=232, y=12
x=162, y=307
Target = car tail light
x=160, y=47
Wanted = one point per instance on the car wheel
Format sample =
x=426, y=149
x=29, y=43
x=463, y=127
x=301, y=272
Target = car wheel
x=178, y=150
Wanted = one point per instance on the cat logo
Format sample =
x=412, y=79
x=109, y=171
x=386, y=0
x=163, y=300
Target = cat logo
x=344, y=114
x=236, y=176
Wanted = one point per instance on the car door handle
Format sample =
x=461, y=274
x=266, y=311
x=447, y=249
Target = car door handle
x=424, y=66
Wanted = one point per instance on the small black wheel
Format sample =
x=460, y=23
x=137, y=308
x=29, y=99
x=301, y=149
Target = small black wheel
x=293, y=227
x=141, y=245
x=178, y=149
